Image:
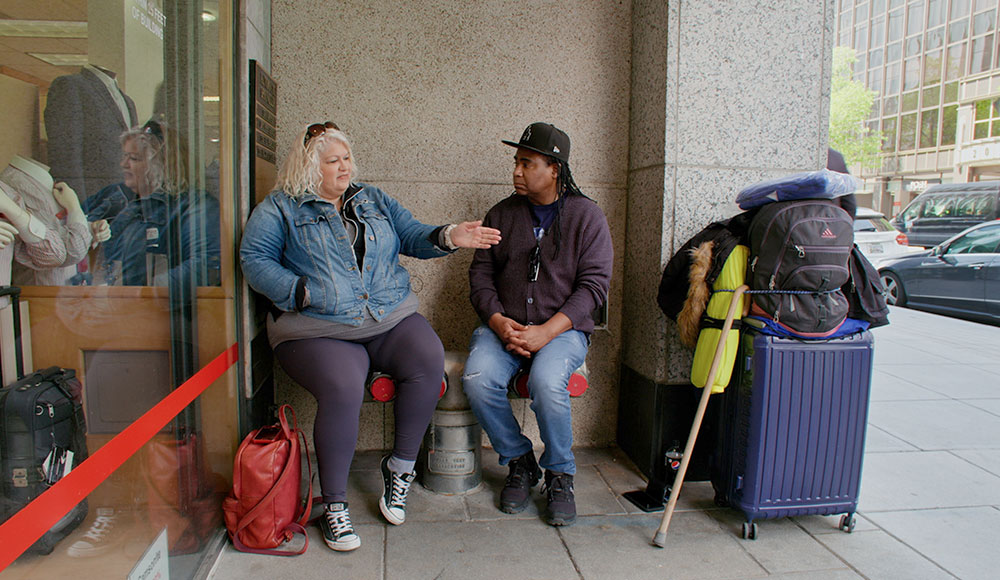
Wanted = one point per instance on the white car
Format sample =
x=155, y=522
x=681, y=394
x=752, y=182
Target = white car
x=877, y=239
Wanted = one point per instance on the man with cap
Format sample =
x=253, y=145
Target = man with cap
x=535, y=292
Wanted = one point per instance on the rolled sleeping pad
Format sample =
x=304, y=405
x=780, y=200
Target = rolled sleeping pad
x=578, y=383
x=733, y=275
x=382, y=387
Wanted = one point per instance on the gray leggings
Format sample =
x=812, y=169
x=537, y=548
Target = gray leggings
x=334, y=371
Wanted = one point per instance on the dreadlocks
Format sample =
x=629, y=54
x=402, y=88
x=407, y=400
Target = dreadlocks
x=565, y=182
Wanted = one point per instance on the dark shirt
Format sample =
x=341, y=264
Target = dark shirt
x=574, y=274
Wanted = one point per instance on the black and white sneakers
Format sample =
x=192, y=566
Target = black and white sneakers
x=395, y=487
x=338, y=533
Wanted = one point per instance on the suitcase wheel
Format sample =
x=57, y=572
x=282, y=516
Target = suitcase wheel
x=847, y=523
x=749, y=531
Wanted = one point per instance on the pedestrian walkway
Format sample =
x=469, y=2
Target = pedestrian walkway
x=929, y=508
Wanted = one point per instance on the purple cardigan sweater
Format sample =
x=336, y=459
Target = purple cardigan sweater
x=573, y=279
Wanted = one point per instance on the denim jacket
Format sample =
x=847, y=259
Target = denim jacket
x=140, y=228
x=289, y=237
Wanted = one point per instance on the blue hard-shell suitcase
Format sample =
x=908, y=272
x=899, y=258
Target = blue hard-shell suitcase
x=792, y=430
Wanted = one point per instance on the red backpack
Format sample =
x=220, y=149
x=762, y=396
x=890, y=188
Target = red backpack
x=264, y=508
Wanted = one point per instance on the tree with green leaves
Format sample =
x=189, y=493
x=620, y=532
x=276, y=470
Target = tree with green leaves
x=850, y=105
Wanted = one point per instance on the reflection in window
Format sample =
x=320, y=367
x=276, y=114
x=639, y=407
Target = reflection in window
x=949, y=124
x=910, y=101
x=958, y=30
x=928, y=128
x=860, y=38
x=911, y=74
x=914, y=18
x=894, y=52
x=913, y=46
x=931, y=96
x=956, y=62
x=892, y=79
x=908, y=132
x=889, y=134
x=890, y=106
x=981, y=241
x=932, y=67
x=935, y=12
x=982, y=54
x=895, y=25
x=951, y=92
x=959, y=8
x=934, y=38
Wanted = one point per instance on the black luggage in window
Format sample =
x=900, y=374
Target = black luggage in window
x=42, y=437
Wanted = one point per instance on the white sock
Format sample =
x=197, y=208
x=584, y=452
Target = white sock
x=398, y=465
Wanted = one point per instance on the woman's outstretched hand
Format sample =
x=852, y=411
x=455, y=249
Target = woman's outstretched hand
x=474, y=235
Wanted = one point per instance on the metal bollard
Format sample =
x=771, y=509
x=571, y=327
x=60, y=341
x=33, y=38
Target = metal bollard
x=451, y=457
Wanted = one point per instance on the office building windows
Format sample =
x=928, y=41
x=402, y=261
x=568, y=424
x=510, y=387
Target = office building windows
x=949, y=124
x=928, y=128
x=908, y=132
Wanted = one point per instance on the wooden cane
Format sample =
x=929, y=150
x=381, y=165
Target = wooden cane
x=660, y=538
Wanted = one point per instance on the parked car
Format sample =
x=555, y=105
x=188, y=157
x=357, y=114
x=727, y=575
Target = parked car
x=877, y=239
x=960, y=277
x=946, y=209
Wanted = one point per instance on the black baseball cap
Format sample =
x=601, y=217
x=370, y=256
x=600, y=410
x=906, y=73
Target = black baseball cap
x=544, y=138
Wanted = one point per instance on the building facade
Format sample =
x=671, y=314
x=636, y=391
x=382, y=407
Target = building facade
x=933, y=65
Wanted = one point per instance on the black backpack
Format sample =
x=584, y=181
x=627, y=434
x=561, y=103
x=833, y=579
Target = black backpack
x=799, y=254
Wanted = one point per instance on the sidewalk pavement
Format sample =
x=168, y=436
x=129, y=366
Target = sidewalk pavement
x=929, y=506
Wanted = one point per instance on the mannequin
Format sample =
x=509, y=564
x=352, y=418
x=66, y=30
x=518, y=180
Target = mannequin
x=52, y=231
x=84, y=115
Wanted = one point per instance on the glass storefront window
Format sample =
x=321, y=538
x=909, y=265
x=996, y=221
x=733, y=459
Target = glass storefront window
x=127, y=168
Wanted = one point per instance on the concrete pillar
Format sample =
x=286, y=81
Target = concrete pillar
x=723, y=94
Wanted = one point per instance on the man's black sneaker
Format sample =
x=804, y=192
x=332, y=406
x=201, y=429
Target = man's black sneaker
x=338, y=533
x=395, y=487
x=524, y=474
x=562, y=505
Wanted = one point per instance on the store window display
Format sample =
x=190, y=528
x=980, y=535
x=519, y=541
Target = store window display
x=52, y=231
x=84, y=115
x=137, y=215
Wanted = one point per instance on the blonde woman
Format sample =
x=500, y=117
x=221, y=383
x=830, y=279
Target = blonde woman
x=136, y=219
x=325, y=250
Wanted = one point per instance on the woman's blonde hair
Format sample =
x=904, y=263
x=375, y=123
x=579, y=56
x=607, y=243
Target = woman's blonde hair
x=300, y=172
x=165, y=153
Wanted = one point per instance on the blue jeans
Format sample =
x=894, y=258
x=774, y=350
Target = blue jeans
x=489, y=369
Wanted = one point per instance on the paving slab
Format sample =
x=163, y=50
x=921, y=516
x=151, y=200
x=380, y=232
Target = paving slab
x=988, y=459
x=922, y=480
x=888, y=387
x=781, y=546
x=817, y=525
x=962, y=541
x=463, y=550
x=365, y=563
x=878, y=441
x=957, y=381
x=931, y=425
x=988, y=405
x=621, y=547
x=877, y=554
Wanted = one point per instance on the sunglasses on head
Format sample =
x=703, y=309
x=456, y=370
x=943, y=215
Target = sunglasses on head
x=153, y=128
x=317, y=129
